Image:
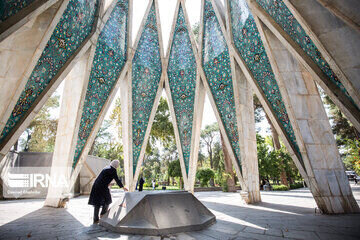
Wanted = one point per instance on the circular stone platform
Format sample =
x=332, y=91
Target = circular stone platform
x=157, y=213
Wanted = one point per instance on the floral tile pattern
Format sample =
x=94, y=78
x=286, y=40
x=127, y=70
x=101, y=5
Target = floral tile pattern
x=182, y=80
x=109, y=60
x=217, y=68
x=9, y=8
x=282, y=16
x=248, y=42
x=146, y=74
x=74, y=26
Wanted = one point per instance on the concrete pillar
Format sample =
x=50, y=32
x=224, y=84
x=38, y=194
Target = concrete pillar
x=244, y=105
x=44, y=91
x=348, y=11
x=16, y=53
x=66, y=136
x=193, y=109
x=75, y=90
x=304, y=45
x=195, y=140
x=247, y=136
x=12, y=23
x=125, y=91
x=141, y=99
x=224, y=103
x=110, y=19
x=325, y=172
x=337, y=41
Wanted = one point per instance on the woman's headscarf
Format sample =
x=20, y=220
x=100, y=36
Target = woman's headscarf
x=115, y=163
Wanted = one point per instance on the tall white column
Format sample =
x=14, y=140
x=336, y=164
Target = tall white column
x=16, y=53
x=70, y=114
x=249, y=161
x=324, y=168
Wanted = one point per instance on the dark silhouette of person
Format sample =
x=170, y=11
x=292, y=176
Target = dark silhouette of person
x=100, y=194
x=141, y=184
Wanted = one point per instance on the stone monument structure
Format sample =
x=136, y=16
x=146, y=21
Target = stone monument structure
x=159, y=213
x=278, y=49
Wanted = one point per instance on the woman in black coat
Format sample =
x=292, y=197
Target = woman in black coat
x=100, y=194
x=141, y=183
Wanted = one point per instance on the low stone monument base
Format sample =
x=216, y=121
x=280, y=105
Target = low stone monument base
x=157, y=213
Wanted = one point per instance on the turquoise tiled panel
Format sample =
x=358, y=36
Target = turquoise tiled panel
x=146, y=74
x=74, y=26
x=182, y=80
x=248, y=42
x=282, y=16
x=9, y=8
x=217, y=68
x=109, y=60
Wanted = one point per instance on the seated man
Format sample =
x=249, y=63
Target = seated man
x=100, y=194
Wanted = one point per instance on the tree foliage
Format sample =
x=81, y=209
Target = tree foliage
x=174, y=169
x=258, y=110
x=352, y=155
x=41, y=132
x=271, y=162
x=204, y=175
x=162, y=129
x=341, y=127
x=115, y=117
x=208, y=137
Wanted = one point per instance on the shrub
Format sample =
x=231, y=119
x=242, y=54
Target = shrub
x=150, y=185
x=204, y=175
x=224, y=182
x=280, y=188
x=296, y=185
x=225, y=186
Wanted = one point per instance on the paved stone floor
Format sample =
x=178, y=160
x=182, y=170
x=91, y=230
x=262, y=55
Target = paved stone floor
x=289, y=215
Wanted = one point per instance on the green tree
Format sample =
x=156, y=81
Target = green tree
x=341, y=127
x=103, y=136
x=152, y=166
x=174, y=170
x=346, y=135
x=352, y=155
x=201, y=159
x=162, y=129
x=208, y=137
x=196, y=31
x=42, y=130
x=258, y=110
x=204, y=175
x=161, y=134
x=218, y=158
x=115, y=117
x=267, y=164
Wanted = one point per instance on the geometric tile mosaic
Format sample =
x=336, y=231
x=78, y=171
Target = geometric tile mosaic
x=248, y=42
x=74, y=26
x=109, y=60
x=282, y=16
x=9, y=8
x=182, y=80
x=146, y=74
x=217, y=68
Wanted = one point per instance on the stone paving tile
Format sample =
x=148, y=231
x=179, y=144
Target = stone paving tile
x=274, y=232
x=247, y=235
x=331, y=236
x=287, y=215
x=300, y=235
x=254, y=230
x=184, y=236
x=217, y=234
x=199, y=235
x=227, y=227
